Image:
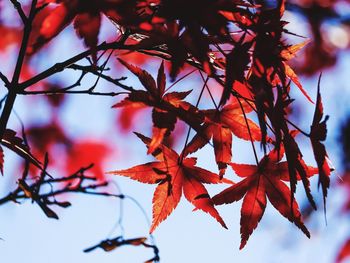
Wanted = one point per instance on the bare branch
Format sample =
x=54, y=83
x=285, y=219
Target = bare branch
x=10, y=100
x=58, y=67
x=65, y=91
x=75, y=183
x=17, y=5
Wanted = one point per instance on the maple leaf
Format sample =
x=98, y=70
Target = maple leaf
x=269, y=70
x=236, y=64
x=174, y=175
x=242, y=17
x=167, y=107
x=186, y=34
x=86, y=17
x=264, y=180
x=44, y=139
x=204, y=13
x=179, y=45
x=276, y=111
x=267, y=67
x=220, y=125
x=318, y=133
x=297, y=166
x=111, y=244
x=277, y=68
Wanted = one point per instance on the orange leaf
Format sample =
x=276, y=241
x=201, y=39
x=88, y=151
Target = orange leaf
x=173, y=176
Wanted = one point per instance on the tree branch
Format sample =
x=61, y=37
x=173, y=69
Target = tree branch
x=17, y=5
x=13, y=86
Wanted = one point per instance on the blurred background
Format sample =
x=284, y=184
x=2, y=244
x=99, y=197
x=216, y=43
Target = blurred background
x=80, y=129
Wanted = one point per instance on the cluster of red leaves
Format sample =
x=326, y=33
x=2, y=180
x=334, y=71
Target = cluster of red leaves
x=258, y=77
x=239, y=44
x=181, y=30
x=86, y=17
x=175, y=173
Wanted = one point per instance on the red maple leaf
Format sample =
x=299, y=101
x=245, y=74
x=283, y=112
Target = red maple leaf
x=236, y=64
x=220, y=125
x=264, y=180
x=318, y=133
x=167, y=107
x=174, y=175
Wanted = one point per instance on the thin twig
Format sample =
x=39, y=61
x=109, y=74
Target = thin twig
x=59, y=67
x=115, y=81
x=63, y=91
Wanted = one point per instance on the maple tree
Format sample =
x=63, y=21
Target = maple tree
x=226, y=71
